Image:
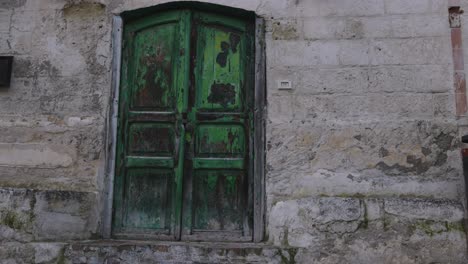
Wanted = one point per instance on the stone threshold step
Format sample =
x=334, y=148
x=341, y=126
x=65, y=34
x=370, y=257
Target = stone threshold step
x=130, y=251
x=126, y=242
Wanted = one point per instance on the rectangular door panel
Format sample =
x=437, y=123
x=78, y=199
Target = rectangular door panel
x=217, y=183
x=218, y=205
x=148, y=199
x=220, y=55
x=220, y=140
x=153, y=72
x=151, y=139
x=148, y=189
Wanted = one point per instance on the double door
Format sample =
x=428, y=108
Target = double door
x=184, y=151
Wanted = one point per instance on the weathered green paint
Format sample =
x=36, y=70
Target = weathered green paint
x=185, y=119
x=148, y=187
x=217, y=201
x=218, y=163
x=220, y=140
x=218, y=204
x=148, y=180
x=149, y=162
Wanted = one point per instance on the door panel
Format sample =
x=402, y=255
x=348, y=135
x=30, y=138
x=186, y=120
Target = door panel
x=148, y=189
x=153, y=58
x=147, y=139
x=216, y=201
x=221, y=86
x=184, y=152
x=220, y=140
x=218, y=205
x=148, y=199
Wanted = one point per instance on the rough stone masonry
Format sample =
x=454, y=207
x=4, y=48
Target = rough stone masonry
x=363, y=159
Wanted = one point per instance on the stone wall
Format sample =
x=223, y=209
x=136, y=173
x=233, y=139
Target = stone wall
x=363, y=154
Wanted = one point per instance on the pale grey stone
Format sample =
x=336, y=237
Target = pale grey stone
x=47, y=252
x=363, y=154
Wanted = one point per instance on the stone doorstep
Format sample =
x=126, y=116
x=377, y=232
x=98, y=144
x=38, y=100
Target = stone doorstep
x=116, y=251
x=128, y=242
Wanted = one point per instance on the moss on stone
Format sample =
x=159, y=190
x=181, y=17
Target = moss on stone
x=291, y=258
x=61, y=259
x=365, y=222
x=426, y=227
x=352, y=195
x=386, y=223
x=429, y=227
x=12, y=220
x=455, y=226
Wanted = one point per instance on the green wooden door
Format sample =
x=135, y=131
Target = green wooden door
x=216, y=203
x=185, y=124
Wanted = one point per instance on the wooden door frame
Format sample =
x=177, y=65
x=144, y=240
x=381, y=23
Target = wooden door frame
x=258, y=138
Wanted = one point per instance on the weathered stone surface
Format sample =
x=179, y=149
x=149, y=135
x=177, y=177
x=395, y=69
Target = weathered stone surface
x=48, y=252
x=398, y=26
x=33, y=155
x=363, y=154
x=342, y=8
x=414, y=7
x=160, y=252
x=62, y=215
x=423, y=209
x=352, y=230
x=27, y=215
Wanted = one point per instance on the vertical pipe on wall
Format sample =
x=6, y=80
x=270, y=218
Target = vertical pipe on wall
x=457, y=54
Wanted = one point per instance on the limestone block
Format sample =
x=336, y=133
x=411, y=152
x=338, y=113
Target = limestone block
x=390, y=248
x=433, y=50
x=16, y=219
x=16, y=253
x=324, y=182
x=75, y=121
x=302, y=53
x=17, y=42
x=410, y=78
x=363, y=80
x=284, y=29
x=5, y=17
x=48, y=252
x=27, y=215
x=374, y=209
x=341, y=7
x=420, y=26
x=277, y=9
x=354, y=52
x=335, y=80
x=347, y=27
x=24, y=21
x=23, y=67
x=425, y=209
x=17, y=97
x=62, y=215
x=299, y=222
x=334, y=209
x=414, y=7
x=357, y=107
x=34, y=155
x=389, y=159
x=280, y=108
